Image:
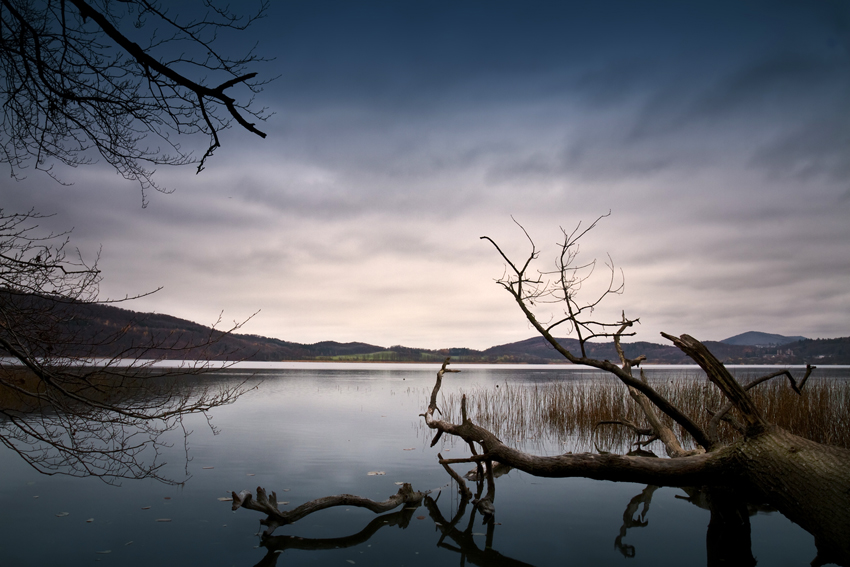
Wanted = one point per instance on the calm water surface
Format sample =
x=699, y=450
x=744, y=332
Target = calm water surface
x=312, y=430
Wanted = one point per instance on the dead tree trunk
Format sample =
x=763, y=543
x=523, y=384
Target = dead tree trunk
x=806, y=481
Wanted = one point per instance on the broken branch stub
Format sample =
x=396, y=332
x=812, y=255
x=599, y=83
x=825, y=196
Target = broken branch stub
x=718, y=374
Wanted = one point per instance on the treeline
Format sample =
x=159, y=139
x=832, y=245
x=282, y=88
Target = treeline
x=106, y=331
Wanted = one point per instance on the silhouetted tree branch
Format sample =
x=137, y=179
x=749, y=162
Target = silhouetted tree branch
x=63, y=407
x=801, y=478
x=527, y=290
x=130, y=81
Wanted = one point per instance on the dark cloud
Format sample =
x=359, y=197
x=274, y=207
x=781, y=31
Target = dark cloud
x=819, y=148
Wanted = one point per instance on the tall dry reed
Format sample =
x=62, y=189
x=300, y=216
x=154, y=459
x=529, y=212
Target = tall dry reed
x=565, y=414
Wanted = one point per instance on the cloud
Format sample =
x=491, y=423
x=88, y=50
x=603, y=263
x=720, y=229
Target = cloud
x=717, y=137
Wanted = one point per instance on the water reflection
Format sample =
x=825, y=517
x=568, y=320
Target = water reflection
x=728, y=535
x=630, y=521
x=105, y=424
x=728, y=540
x=276, y=545
x=282, y=437
x=452, y=538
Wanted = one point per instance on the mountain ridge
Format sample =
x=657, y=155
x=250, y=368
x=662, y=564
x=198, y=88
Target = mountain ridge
x=758, y=338
x=132, y=334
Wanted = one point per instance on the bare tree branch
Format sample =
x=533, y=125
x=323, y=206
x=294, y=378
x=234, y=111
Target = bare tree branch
x=718, y=374
x=564, y=292
x=723, y=413
x=63, y=409
x=126, y=81
x=276, y=518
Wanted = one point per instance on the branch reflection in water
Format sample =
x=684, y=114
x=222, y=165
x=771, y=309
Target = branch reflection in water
x=728, y=537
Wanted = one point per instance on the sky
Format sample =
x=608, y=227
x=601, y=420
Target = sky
x=717, y=134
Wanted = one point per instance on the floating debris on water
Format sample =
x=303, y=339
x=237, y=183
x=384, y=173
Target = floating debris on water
x=207, y=468
x=163, y=519
x=225, y=499
x=146, y=507
x=376, y=473
x=90, y=520
x=62, y=514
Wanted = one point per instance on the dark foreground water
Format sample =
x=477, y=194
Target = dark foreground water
x=313, y=430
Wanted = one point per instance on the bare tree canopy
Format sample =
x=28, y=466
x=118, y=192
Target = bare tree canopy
x=126, y=80
x=62, y=409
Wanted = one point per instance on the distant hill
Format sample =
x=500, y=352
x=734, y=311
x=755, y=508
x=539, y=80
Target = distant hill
x=127, y=333
x=537, y=349
x=756, y=338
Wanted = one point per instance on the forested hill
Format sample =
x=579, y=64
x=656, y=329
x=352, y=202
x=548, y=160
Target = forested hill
x=818, y=351
x=121, y=331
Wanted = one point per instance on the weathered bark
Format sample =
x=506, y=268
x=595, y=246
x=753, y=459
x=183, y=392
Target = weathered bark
x=723, y=413
x=717, y=373
x=684, y=471
x=806, y=481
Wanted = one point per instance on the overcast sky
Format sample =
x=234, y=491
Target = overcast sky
x=716, y=133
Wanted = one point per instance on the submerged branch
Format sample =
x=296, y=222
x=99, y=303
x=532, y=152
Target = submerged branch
x=276, y=518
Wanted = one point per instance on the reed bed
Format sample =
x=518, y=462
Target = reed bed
x=564, y=415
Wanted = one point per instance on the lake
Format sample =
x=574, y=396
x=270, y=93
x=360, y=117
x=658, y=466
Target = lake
x=312, y=430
